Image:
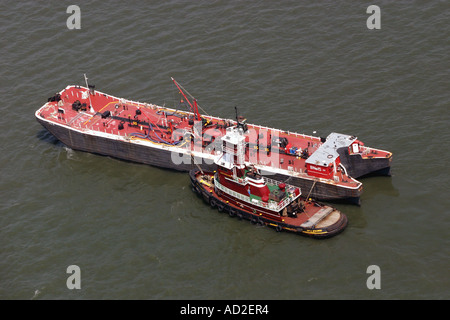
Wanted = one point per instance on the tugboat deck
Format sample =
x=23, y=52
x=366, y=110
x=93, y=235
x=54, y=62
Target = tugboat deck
x=299, y=220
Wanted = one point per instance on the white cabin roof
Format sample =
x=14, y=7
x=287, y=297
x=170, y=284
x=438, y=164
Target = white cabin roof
x=327, y=152
x=233, y=136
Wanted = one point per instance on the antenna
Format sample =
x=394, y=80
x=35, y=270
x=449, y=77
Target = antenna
x=87, y=86
x=241, y=121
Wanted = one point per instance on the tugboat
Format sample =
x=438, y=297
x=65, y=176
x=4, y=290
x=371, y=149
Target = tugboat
x=86, y=119
x=243, y=192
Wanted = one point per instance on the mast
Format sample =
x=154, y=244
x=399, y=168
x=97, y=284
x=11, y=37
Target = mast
x=241, y=121
x=194, y=108
x=91, y=108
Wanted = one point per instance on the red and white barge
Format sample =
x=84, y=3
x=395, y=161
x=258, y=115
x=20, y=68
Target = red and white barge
x=89, y=120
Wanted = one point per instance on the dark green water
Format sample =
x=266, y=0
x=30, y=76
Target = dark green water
x=139, y=232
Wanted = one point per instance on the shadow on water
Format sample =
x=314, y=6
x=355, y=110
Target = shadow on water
x=380, y=185
x=45, y=135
